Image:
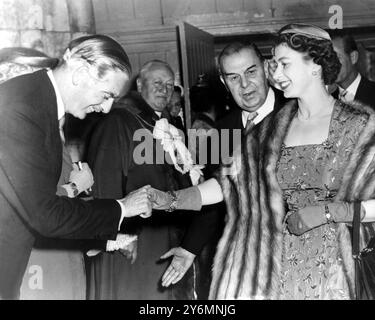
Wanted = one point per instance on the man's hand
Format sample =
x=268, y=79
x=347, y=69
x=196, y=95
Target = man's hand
x=83, y=178
x=160, y=200
x=181, y=262
x=130, y=250
x=137, y=203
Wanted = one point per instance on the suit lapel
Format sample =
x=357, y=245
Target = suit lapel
x=361, y=90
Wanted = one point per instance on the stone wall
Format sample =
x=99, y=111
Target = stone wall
x=46, y=25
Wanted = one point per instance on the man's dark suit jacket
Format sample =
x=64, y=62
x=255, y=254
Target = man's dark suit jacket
x=365, y=92
x=112, y=156
x=204, y=226
x=30, y=167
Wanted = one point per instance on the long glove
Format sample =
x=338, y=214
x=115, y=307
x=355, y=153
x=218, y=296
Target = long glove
x=311, y=217
x=185, y=199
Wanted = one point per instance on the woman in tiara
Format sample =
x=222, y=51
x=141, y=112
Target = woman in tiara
x=286, y=234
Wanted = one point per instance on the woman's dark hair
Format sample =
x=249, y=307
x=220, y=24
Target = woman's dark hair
x=319, y=50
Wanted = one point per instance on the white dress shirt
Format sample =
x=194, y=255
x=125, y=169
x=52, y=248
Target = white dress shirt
x=349, y=93
x=265, y=109
x=59, y=100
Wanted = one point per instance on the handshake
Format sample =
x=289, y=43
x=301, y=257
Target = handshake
x=142, y=201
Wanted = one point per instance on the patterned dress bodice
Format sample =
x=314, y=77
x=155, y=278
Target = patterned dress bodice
x=311, y=175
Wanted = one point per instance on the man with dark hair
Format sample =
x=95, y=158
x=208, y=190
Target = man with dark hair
x=93, y=73
x=351, y=84
x=244, y=73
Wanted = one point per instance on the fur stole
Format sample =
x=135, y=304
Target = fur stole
x=247, y=263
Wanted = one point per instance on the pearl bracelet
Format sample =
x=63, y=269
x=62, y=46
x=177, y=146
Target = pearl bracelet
x=327, y=214
x=173, y=204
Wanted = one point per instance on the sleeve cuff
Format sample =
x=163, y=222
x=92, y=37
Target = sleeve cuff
x=66, y=190
x=122, y=213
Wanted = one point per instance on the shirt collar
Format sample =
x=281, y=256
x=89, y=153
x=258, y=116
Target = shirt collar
x=59, y=100
x=263, y=111
x=352, y=89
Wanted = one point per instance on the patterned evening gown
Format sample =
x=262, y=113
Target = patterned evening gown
x=311, y=263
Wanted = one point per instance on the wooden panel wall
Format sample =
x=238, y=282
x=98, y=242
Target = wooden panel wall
x=147, y=28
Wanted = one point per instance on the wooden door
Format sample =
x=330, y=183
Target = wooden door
x=197, y=57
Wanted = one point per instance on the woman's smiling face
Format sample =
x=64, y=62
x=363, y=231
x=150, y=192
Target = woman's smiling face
x=294, y=71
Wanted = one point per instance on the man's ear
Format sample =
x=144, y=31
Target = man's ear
x=223, y=81
x=79, y=75
x=354, y=56
x=139, y=85
x=265, y=66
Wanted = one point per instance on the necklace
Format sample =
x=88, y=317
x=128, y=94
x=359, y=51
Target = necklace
x=317, y=116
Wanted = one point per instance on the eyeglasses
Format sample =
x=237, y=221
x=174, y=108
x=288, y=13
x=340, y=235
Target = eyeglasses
x=160, y=86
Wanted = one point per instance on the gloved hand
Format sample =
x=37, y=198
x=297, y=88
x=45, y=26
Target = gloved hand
x=83, y=179
x=311, y=217
x=124, y=243
x=121, y=242
x=160, y=200
x=185, y=199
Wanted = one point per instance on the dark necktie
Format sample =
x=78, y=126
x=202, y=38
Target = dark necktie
x=343, y=95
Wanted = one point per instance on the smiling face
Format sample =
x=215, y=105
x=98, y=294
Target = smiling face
x=245, y=75
x=294, y=72
x=156, y=87
x=97, y=95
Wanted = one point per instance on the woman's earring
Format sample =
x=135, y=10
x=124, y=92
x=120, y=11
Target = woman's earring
x=314, y=73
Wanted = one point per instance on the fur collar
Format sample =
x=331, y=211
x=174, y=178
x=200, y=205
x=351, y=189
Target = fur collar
x=248, y=258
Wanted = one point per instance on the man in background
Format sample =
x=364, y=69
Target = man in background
x=244, y=73
x=351, y=84
x=117, y=172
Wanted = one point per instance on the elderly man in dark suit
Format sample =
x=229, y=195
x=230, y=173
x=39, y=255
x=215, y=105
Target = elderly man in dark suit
x=92, y=74
x=244, y=72
x=115, y=156
x=351, y=84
